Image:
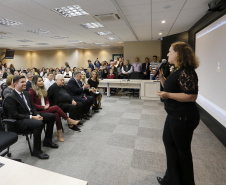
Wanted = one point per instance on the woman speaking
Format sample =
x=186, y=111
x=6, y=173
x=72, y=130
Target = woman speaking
x=180, y=93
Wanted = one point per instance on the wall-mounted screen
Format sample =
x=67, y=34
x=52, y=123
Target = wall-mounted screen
x=211, y=49
x=9, y=54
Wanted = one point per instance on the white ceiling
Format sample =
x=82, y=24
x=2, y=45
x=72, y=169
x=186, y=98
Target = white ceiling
x=141, y=21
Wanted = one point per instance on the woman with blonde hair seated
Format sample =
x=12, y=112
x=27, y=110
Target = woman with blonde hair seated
x=8, y=90
x=39, y=98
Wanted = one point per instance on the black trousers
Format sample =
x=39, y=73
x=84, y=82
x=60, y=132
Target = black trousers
x=37, y=126
x=177, y=137
x=75, y=111
x=86, y=102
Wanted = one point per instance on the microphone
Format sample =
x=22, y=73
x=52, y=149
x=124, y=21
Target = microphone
x=157, y=71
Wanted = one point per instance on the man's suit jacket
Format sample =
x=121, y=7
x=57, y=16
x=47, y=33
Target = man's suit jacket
x=16, y=109
x=28, y=85
x=74, y=89
x=146, y=69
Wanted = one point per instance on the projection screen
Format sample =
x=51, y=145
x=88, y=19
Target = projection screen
x=211, y=51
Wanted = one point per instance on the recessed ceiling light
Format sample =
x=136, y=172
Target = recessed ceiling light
x=111, y=38
x=92, y=25
x=70, y=11
x=24, y=40
x=105, y=45
x=163, y=21
x=39, y=31
x=104, y=33
x=8, y=22
x=99, y=43
x=76, y=41
x=59, y=37
x=160, y=33
x=25, y=46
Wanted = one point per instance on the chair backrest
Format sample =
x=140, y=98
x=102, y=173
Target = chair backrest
x=3, y=87
x=5, y=112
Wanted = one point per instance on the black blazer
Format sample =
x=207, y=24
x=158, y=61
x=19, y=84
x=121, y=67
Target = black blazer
x=15, y=108
x=74, y=89
x=28, y=85
x=144, y=69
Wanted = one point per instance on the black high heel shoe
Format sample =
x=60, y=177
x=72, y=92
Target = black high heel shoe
x=94, y=109
x=163, y=181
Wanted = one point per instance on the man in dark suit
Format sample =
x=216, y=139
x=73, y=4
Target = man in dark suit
x=146, y=69
x=19, y=106
x=77, y=91
x=29, y=82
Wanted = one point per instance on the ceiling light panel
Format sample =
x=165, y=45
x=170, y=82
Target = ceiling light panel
x=8, y=22
x=76, y=41
x=24, y=40
x=70, y=11
x=59, y=37
x=105, y=45
x=39, y=31
x=4, y=37
x=104, y=33
x=111, y=38
x=99, y=43
x=92, y=25
x=42, y=44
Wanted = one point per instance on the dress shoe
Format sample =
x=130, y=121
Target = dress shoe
x=163, y=181
x=85, y=117
x=50, y=144
x=88, y=115
x=40, y=154
x=80, y=123
x=75, y=128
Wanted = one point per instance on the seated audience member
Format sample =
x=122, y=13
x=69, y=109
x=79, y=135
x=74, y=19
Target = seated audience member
x=137, y=66
x=97, y=63
x=58, y=95
x=111, y=75
x=34, y=72
x=57, y=71
x=115, y=70
x=153, y=65
x=119, y=69
x=47, y=71
x=93, y=82
x=81, y=69
x=77, y=91
x=90, y=65
x=109, y=65
x=2, y=68
x=74, y=70
x=29, y=81
x=1, y=78
x=67, y=73
x=20, y=107
x=42, y=72
x=6, y=73
x=49, y=80
x=146, y=69
x=62, y=69
x=103, y=69
x=83, y=79
x=16, y=73
x=89, y=73
x=127, y=69
x=8, y=90
x=28, y=70
x=39, y=99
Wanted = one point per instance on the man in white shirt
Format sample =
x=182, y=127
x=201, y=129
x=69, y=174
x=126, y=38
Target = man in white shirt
x=49, y=81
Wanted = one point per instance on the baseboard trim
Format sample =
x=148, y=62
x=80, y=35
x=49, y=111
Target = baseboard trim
x=215, y=127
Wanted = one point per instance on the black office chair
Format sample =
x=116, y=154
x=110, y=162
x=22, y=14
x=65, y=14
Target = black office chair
x=7, y=125
x=6, y=140
x=137, y=76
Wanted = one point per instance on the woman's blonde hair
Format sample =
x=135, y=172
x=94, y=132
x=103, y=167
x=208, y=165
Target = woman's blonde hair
x=185, y=55
x=9, y=79
x=39, y=91
x=85, y=80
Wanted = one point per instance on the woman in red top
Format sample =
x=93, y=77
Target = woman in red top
x=111, y=75
x=39, y=98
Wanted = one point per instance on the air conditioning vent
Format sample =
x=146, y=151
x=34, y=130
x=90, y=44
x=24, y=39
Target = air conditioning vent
x=108, y=17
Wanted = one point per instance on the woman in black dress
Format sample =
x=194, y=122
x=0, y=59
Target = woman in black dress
x=93, y=82
x=180, y=93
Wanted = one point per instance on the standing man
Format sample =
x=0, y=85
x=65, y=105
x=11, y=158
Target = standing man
x=97, y=63
x=145, y=69
x=127, y=69
x=90, y=65
x=137, y=66
x=153, y=65
x=19, y=107
x=49, y=81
